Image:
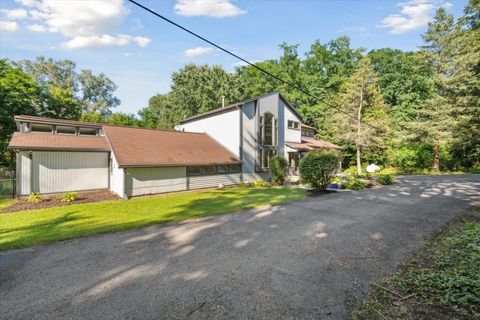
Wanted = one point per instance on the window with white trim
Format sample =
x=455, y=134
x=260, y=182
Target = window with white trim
x=293, y=124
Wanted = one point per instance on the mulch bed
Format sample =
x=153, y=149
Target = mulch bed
x=54, y=201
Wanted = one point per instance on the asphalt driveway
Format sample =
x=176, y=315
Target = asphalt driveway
x=307, y=259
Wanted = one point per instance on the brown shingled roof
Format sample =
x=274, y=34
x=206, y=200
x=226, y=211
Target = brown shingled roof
x=306, y=126
x=138, y=147
x=310, y=143
x=46, y=141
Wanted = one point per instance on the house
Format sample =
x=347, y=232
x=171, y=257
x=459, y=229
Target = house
x=55, y=155
x=257, y=129
x=223, y=146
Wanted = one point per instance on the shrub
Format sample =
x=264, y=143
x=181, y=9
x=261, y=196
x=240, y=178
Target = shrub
x=385, y=179
x=354, y=184
x=317, y=168
x=69, y=196
x=260, y=183
x=278, y=169
x=35, y=198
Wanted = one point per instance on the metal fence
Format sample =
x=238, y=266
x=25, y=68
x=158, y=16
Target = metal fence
x=7, y=182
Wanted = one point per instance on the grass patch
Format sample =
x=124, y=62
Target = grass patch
x=6, y=202
x=441, y=281
x=27, y=228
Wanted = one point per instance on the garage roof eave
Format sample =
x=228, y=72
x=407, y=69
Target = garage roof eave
x=166, y=165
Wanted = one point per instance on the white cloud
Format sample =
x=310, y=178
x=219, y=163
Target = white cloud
x=15, y=14
x=97, y=42
x=209, y=8
x=37, y=27
x=27, y=3
x=197, y=52
x=84, y=23
x=241, y=63
x=414, y=14
x=10, y=26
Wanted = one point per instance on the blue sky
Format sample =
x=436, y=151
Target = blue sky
x=139, y=51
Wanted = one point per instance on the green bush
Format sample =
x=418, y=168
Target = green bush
x=278, y=169
x=385, y=179
x=69, y=197
x=35, y=198
x=354, y=184
x=318, y=168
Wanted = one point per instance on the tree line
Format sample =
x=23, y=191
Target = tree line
x=412, y=110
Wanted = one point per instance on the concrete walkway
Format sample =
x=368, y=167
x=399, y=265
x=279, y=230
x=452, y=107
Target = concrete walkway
x=306, y=259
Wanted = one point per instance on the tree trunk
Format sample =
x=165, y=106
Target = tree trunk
x=359, y=131
x=436, y=158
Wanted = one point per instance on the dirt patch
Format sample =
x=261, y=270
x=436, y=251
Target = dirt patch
x=54, y=201
x=316, y=193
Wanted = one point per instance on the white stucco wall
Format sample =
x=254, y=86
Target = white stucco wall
x=223, y=127
x=291, y=135
x=117, y=177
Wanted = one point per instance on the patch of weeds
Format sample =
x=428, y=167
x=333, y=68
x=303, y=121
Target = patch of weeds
x=354, y=184
x=441, y=281
x=385, y=179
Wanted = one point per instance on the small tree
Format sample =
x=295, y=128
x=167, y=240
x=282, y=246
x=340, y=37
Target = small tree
x=318, y=168
x=278, y=169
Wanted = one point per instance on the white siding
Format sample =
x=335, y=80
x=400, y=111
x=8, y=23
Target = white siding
x=117, y=177
x=223, y=127
x=155, y=180
x=24, y=173
x=198, y=182
x=291, y=135
x=69, y=171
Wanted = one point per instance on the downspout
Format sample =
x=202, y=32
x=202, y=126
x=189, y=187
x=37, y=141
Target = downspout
x=240, y=144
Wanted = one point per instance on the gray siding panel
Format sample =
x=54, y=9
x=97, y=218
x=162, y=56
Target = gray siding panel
x=24, y=173
x=200, y=182
x=69, y=171
x=155, y=180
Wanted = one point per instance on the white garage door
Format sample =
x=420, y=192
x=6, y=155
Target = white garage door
x=69, y=171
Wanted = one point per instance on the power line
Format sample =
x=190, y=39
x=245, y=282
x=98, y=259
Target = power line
x=294, y=86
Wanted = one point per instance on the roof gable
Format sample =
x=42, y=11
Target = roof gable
x=239, y=104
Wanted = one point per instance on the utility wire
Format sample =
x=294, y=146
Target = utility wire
x=294, y=86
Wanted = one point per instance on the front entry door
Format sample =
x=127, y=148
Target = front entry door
x=293, y=160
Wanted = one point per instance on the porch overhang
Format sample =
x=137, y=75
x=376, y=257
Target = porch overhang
x=310, y=143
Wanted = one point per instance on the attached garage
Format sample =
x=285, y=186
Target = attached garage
x=55, y=163
x=57, y=156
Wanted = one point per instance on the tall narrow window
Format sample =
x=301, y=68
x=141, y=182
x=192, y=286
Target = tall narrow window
x=268, y=129
x=260, y=131
x=275, y=133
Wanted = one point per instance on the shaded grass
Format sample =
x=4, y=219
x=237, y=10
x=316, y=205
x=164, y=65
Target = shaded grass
x=27, y=228
x=6, y=202
x=441, y=281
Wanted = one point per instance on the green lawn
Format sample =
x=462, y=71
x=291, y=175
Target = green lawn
x=5, y=202
x=26, y=228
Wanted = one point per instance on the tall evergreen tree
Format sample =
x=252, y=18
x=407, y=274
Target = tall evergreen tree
x=434, y=122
